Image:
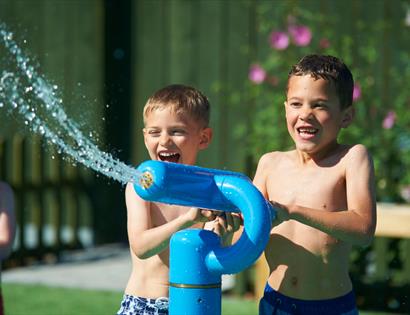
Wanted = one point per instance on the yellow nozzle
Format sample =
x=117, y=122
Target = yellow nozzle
x=146, y=180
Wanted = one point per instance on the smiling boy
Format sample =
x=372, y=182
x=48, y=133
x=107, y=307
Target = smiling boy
x=324, y=194
x=176, y=120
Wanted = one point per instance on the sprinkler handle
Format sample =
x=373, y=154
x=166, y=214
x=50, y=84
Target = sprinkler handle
x=183, y=185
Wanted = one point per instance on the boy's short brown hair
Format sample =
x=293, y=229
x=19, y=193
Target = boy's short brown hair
x=183, y=100
x=330, y=69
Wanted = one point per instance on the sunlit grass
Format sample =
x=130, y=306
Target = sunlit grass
x=22, y=299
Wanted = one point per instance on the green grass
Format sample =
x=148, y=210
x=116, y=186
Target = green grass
x=22, y=299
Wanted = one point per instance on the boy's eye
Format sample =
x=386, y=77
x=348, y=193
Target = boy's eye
x=295, y=104
x=178, y=132
x=154, y=133
x=320, y=105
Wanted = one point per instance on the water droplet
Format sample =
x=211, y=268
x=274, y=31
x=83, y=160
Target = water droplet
x=40, y=108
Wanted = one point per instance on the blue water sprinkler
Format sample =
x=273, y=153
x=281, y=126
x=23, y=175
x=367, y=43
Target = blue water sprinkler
x=197, y=259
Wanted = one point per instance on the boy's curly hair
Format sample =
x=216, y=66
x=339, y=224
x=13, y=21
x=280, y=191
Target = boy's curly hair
x=330, y=69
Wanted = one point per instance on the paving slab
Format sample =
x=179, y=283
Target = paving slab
x=101, y=268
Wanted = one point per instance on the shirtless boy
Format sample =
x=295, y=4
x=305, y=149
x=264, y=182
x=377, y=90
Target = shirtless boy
x=324, y=194
x=176, y=128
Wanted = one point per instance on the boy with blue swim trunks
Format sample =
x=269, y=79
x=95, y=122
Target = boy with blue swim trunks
x=176, y=128
x=324, y=194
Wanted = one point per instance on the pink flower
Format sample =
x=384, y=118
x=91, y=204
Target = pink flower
x=257, y=74
x=324, y=43
x=388, y=121
x=357, y=92
x=279, y=40
x=301, y=34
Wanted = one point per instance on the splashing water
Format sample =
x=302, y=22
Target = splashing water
x=27, y=93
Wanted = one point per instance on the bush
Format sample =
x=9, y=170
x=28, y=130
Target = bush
x=376, y=53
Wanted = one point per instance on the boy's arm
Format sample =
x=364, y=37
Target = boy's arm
x=357, y=224
x=7, y=220
x=259, y=179
x=146, y=240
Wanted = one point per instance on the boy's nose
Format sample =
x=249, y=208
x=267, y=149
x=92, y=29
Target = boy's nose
x=164, y=139
x=305, y=113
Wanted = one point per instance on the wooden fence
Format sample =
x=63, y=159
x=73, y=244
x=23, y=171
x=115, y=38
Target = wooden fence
x=53, y=206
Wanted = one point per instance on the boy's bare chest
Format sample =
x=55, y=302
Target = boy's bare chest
x=163, y=213
x=313, y=187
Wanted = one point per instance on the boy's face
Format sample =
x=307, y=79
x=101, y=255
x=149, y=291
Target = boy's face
x=313, y=113
x=174, y=138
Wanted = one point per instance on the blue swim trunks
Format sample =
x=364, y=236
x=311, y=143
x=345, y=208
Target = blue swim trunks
x=134, y=305
x=275, y=303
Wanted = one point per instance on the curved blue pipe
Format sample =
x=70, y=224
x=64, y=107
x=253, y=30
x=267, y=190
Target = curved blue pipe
x=184, y=185
x=257, y=216
x=197, y=259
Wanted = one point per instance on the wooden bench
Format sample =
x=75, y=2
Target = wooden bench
x=393, y=221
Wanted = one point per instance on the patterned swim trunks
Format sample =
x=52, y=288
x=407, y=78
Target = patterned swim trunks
x=134, y=305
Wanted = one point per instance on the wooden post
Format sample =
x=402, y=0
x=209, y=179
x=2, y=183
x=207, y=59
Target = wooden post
x=261, y=276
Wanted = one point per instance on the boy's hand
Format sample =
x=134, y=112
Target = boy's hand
x=282, y=213
x=197, y=215
x=225, y=225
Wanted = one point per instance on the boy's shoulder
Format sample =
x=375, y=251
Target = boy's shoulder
x=357, y=155
x=275, y=156
x=356, y=151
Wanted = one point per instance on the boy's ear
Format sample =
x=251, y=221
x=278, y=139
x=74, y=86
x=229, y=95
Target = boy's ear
x=144, y=133
x=205, y=138
x=348, y=115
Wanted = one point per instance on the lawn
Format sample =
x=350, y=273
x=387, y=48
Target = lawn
x=42, y=300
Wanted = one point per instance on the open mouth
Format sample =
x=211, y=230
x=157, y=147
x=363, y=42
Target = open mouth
x=307, y=131
x=169, y=157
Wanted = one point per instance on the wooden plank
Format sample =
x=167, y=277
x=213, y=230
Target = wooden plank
x=393, y=220
x=151, y=66
x=237, y=75
x=261, y=276
x=208, y=66
x=182, y=34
